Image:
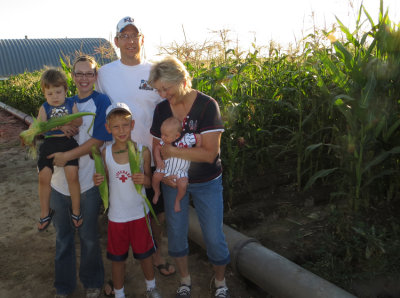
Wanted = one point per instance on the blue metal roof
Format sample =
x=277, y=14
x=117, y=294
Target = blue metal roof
x=27, y=55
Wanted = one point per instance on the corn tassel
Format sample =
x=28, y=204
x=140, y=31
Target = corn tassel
x=134, y=163
x=103, y=187
x=38, y=127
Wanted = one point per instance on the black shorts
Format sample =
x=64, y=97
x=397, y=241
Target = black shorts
x=52, y=145
x=159, y=207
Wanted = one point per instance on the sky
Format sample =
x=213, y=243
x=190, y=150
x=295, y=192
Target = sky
x=165, y=22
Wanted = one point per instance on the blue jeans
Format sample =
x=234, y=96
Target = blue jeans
x=208, y=201
x=91, y=271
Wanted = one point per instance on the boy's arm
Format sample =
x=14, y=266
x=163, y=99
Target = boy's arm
x=42, y=114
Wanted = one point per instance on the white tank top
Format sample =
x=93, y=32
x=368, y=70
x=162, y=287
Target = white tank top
x=125, y=203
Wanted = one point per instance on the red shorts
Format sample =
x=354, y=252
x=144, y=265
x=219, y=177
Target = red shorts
x=134, y=233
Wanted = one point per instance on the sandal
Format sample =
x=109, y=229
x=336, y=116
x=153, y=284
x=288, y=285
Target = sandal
x=109, y=289
x=165, y=267
x=46, y=220
x=76, y=219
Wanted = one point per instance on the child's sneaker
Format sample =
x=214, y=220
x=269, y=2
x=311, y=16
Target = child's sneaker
x=222, y=292
x=183, y=291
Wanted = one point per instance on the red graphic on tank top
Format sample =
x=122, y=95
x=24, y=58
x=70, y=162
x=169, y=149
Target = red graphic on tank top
x=123, y=175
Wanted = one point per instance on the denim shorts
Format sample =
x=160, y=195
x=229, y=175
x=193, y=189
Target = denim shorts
x=208, y=201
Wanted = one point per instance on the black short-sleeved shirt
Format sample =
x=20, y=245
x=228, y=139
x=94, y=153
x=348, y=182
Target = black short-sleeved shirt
x=203, y=117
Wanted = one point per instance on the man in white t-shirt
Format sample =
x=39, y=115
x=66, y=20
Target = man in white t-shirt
x=125, y=80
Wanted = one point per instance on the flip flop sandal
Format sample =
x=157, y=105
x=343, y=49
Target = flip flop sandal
x=46, y=220
x=166, y=268
x=76, y=219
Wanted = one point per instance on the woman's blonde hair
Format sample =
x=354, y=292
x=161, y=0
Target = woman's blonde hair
x=171, y=70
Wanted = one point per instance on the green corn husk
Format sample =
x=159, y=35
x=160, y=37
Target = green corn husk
x=38, y=127
x=103, y=187
x=134, y=163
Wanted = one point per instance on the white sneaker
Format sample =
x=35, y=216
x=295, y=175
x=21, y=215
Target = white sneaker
x=183, y=291
x=222, y=292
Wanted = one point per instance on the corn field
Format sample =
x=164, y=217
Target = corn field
x=332, y=112
x=326, y=116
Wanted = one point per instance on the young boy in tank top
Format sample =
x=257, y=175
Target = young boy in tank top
x=126, y=216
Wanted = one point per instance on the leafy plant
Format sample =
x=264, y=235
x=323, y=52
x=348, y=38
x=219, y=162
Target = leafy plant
x=367, y=98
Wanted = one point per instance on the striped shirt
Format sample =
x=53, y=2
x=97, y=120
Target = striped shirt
x=178, y=166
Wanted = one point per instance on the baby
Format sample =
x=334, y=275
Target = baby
x=171, y=131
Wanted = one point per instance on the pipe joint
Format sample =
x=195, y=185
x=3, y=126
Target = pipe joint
x=236, y=250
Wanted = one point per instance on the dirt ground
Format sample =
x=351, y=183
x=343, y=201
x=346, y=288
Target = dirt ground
x=27, y=256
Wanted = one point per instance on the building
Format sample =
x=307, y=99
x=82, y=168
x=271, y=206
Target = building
x=28, y=55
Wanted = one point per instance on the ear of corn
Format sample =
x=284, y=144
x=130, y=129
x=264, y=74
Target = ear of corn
x=103, y=187
x=134, y=163
x=38, y=127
